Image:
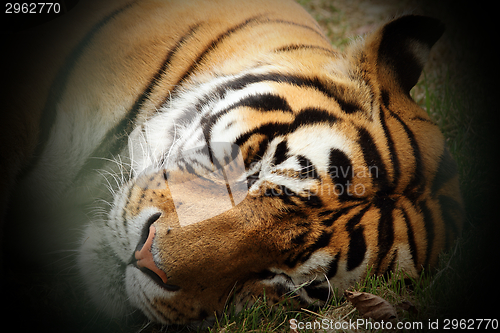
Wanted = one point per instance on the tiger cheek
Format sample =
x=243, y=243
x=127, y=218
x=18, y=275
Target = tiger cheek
x=197, y=255
x=192, y=250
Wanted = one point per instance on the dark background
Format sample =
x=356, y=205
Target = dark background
x=32, y=292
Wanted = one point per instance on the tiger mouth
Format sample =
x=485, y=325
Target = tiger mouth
x=142, y=259
x=156, y=278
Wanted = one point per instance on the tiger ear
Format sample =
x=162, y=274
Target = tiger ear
x=401, y=48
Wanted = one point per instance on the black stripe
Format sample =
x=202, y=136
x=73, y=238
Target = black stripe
x=357, y=248
x=190, y=169
x=425, y=120
x=417, y=183
x=117, y=137
x=316, y=31
x=354, y=221
x=60, y=84
x=285, y=194
x=273, y=129
x=311, y=116
x=372, y=158
x=332, y=91
x=298, y=240
x=255, y=156
x=385, y=228
x=124, y=212
x=312, y=201
x=322, y=241
x=390, y=141
x=320, y=293
x=392, y=266
x=411, y=239
x=347, y=106
x=235, y=151
x=168, y=60
x=281, y=153
x=307, y=168
x=329, y=221
x=333, y=267
x=263, y=102
x=340, y=170
x=221, y=37
x=357, y=244
x=294, y=47
x=384, y=98
x=252, y=179
x=265, y=275
x=212, y=46
x=429, y=230
x=325, y=213
x=329, y=90
x=282, y=192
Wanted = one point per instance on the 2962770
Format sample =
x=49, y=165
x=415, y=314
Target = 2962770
x=470, y=324
x=32, y=7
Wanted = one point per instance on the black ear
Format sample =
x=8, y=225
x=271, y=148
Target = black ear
x=404, y=47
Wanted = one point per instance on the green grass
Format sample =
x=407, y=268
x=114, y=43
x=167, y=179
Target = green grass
x=417, y=294
x=332, y=20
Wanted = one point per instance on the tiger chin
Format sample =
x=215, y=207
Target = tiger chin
x=234, y=154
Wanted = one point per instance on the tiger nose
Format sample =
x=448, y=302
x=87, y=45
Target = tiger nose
x=145, y=259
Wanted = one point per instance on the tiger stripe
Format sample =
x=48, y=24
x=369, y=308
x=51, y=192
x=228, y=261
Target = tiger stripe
x=213, y=45
x=58, y=87
x=390, y=141
x=418, y=180
x=116, y=138
x=411, y=238
x=162, y=112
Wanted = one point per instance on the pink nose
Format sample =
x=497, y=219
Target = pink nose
x=145, y=257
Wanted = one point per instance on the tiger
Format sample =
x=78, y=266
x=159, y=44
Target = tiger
x=226, y=151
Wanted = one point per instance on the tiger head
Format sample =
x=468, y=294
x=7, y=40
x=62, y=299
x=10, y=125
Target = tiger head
x=286, y=178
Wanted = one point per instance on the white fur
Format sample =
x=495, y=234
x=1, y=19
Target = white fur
x=317, y=147
x=176, y=130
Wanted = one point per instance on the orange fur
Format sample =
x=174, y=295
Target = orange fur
x=362, y=92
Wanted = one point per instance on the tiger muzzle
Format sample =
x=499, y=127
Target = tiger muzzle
x=143, y=257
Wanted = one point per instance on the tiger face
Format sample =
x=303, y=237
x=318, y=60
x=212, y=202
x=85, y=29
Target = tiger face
x=285, y=178
x=257, y=160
